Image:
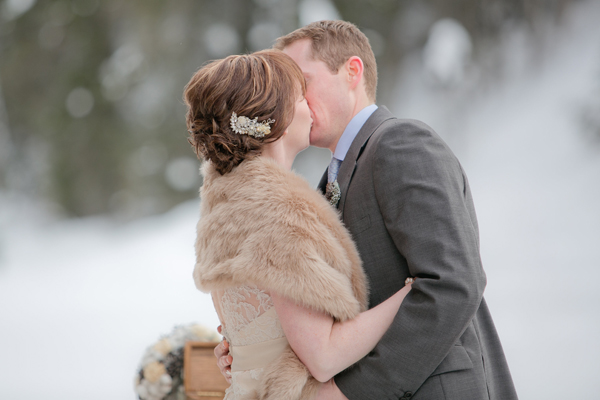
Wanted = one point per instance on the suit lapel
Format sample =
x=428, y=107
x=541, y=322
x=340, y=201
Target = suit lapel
x=349, y=164
x=323, y=183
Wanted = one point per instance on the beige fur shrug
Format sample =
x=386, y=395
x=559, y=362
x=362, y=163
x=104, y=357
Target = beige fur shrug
x=265, y=225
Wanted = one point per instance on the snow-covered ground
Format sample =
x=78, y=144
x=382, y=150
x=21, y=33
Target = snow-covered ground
x=81, y=299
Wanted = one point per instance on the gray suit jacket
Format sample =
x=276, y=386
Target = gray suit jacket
x=407, y=204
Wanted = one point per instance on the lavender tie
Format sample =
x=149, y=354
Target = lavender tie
x=334, y=168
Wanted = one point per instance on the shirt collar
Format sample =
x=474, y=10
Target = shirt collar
x=357, y=122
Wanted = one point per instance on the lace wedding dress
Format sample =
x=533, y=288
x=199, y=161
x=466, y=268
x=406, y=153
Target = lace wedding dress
x=250, y=325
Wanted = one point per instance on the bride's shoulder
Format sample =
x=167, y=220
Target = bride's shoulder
x=264, y=177
x=263, y=192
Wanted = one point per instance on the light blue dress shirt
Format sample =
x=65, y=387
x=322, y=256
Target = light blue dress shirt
x=343, y=145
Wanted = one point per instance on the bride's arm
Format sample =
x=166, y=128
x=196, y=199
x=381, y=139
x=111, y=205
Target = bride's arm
x=327, y=347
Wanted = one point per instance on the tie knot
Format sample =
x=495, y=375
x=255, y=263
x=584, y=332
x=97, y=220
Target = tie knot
x=334, y=168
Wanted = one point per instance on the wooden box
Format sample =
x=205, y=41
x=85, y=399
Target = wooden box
x=202, y=377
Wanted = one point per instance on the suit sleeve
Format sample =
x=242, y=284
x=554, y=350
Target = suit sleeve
x=423, y=198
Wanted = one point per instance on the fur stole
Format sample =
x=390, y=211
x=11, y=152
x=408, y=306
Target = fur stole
x=265, y=225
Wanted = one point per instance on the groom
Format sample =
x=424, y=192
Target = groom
x=405, y=199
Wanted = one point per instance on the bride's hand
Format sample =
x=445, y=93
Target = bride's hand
x=224, y=360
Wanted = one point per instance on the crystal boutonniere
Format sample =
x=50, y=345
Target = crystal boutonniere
x=333, y=193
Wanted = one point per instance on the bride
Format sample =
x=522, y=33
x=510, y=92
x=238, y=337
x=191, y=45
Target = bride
x=284, y=275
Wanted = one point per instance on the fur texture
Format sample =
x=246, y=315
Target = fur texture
x=264, y=225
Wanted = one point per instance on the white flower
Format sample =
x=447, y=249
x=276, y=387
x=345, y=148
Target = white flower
x=150, y=356
x=142, y=390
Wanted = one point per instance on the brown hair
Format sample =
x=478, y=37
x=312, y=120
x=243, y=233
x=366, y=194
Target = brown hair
x=334, y=42
x=265, y=84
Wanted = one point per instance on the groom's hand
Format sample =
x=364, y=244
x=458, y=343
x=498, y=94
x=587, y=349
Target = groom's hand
x=329, y=391
x=224, y=360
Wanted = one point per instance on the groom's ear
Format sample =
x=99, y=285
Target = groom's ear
x=355, y=70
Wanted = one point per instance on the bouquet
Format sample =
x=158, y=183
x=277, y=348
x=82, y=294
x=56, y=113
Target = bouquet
x=160, y=374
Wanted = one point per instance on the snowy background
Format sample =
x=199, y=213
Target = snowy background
x=535, y=177
x=80, y=299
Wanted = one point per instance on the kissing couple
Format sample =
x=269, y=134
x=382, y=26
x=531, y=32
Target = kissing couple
x=372, y=286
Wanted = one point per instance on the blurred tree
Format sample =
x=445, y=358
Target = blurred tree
x=589, y=115
x=91, y=115
x=396, y=28
x=95, y=104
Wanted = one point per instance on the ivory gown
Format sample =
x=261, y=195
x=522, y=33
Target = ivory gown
x=256, y=339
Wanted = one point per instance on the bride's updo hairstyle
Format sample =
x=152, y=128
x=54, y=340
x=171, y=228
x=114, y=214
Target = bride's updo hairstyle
x=265, y=84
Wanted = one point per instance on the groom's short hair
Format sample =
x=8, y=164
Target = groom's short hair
x=334, y=42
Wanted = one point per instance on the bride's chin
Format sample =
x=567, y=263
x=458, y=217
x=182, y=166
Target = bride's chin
x=306, y=143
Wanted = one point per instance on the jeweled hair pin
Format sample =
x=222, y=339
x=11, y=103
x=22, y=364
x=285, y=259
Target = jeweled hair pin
x=246, y=126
